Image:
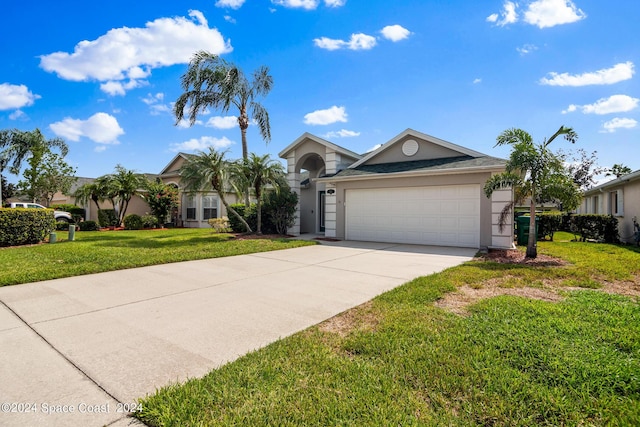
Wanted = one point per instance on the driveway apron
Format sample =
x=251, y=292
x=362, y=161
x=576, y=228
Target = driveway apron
x=79, y=351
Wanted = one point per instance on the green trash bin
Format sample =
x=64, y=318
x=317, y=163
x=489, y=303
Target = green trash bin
x=522, y=226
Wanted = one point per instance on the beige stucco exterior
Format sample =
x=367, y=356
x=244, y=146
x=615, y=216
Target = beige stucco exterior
x=323, y=160
x=620, y=198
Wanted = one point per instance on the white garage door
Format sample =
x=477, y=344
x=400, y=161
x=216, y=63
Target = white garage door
x=437, y=215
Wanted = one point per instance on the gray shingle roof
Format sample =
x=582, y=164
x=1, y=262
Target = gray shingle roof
x=460, y=162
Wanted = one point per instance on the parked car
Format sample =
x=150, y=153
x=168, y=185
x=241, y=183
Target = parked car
x=60, y=216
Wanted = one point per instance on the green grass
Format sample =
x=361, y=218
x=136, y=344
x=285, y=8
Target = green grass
x=403, y=361
x=94, y=252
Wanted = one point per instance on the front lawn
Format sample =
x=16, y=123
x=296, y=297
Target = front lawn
x=95, y=251
x=405, y=359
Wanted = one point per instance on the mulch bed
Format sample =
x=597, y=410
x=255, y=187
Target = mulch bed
x=514, y=256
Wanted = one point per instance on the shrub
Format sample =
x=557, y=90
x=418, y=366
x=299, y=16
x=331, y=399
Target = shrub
x=548, y=224
x=107, y=218
x=62, y=226
x=280, y=208
x=595, y=227
x=249, y=214
x=133, y=222
x=25, y=226
x=149, y=221
x=88, y=226
x=220, y=225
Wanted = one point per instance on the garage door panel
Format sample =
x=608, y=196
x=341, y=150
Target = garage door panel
x=436, y=215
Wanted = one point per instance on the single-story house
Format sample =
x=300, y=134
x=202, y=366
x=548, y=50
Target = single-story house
x=414, y=189
x=619, y=197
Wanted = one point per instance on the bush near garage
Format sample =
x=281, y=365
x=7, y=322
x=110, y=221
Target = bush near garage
x=278, y=213
x=25, y=226
x=602, y=228
x=133, y=222
x=89, y=226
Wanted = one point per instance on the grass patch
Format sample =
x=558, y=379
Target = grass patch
x=94, y=252
x=400, y=360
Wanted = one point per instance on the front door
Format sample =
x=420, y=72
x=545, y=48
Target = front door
x=321, y=197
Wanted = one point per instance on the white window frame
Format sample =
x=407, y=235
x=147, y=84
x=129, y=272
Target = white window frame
x=191, y=204
x=209, y=202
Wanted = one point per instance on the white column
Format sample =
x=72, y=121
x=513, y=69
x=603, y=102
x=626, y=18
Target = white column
x=294, y=182
x=501, y=239
x=330, y=210
x=333, y=158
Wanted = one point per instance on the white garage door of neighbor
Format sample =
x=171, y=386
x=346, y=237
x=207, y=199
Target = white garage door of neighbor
x=437, y=215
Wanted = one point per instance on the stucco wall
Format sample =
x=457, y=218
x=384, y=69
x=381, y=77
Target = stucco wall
x=476, y=178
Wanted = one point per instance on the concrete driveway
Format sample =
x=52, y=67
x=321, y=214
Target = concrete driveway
x=79, y=351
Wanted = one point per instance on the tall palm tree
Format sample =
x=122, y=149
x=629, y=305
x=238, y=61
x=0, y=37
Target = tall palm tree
x=258, y=172
x=534, y=172
x=210, y=169
x=212, y=82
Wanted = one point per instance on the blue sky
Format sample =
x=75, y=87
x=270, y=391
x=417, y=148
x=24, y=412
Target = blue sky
x=104, y=75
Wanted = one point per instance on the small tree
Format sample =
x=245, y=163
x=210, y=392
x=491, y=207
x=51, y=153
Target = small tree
x=121, y=186
x=535, y=173
x=47, y=175
x=161, y=198
x=584, y=169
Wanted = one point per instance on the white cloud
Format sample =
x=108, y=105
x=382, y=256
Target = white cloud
x=229, y=19
x=13, y=97
x=155, y=104
x=619, y=123
x=358, y=41
x=153, y=99
x=342, y=134
x=233, y=4
x=201, y=144
x=185, y=124
x=508, y=13
x=122, y=57
x=303, y=4
x=100, y=148
x=334, y=3
x=617, y=73
x=220, y=122
x=613, y=104
x=17, y=115
x=395, y=33
x=326, y=117
x=101, y=128
x=549, y=13
x=527, y=48
x=476, y=81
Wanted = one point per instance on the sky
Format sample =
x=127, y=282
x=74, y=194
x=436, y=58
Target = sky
x=104, y=75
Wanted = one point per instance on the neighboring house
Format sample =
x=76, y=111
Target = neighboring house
x=619, y=197
x=414, y=189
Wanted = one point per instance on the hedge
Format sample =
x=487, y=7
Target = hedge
x=548, y=224
x=88, y=226
x=25, y=226
x=76, y=212
x=133, y=222
x=107, y=218
x=603, y=228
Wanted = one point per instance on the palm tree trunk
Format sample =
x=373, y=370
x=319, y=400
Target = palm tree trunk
x=532, y=250
x=259, y=209
x=234, y=212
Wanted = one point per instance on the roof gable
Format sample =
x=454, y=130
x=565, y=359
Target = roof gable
x=623, y=180
x=174, y=165
x=412, y=145
x=307, y=136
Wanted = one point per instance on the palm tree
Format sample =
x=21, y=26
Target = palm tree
x=536, y=173
x=211, y=169
x=89, y=192
x=123, y=184
x=258, y=172
x=210, y=81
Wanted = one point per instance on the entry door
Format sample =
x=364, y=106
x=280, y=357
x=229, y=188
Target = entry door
x=321, y=204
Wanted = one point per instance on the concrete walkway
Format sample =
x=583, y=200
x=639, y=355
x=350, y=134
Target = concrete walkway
x=85, y=348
